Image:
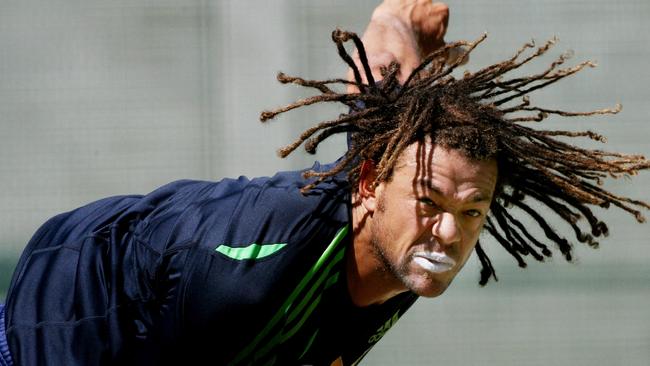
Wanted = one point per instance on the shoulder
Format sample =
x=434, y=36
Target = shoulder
x=242, y=215
x=284, y=211
x=243, y=211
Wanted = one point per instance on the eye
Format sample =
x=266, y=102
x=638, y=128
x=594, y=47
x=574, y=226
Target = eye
x=427, y=201
x=473, y=213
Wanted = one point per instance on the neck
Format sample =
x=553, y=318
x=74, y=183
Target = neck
x=369, y=282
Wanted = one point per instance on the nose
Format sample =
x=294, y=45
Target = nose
x=445, y=230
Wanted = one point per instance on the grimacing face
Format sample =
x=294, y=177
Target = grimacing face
x=429, y=215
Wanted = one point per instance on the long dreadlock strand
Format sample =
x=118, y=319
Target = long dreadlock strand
x=506, y=244
x=517, y=242
x=438, y=74
x=329, y=97
x=487, y=270
x=562, y=243
x=339, y=37
x=320, y=85
x=543, y=247
x=534, y=165
x=285, y=151
x=559, y=75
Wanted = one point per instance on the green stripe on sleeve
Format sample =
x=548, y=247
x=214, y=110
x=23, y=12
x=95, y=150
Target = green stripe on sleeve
x=253, y=251
x=298, y=310
x=284, y=309
x=332, y=280
x=309, y=343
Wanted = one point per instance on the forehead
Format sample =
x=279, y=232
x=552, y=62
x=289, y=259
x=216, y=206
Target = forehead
x=426, y=163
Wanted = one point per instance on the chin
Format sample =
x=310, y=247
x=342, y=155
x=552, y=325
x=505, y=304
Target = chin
x=428, y=287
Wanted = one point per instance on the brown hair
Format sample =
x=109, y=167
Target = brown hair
x=476, y=115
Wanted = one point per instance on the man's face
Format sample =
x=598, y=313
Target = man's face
x=428, y=217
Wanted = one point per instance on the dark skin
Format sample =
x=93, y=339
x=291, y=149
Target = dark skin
x=403, y=31
x=388, y=259
x=415, y=231
x=381, y=262
x=477, y=119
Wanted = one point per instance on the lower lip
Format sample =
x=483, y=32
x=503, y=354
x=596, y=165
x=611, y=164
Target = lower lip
x=432, y=266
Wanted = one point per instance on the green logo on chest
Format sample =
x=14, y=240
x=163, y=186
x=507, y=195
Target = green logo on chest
x=251, y=252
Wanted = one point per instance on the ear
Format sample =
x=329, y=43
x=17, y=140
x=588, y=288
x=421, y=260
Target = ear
x=367, y=189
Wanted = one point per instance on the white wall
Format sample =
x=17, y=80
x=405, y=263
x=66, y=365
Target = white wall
x=109, y=97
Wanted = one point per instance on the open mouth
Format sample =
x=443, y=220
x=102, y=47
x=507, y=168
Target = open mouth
x=434, y=262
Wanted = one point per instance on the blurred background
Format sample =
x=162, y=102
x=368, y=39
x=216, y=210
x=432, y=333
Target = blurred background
x=100, y=98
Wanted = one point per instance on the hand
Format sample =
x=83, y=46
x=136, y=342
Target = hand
x=403, y=31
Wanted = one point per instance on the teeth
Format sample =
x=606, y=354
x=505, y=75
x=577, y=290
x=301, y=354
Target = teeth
x=434, y=262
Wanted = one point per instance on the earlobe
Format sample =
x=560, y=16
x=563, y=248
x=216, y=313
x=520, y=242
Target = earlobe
x=367, y=186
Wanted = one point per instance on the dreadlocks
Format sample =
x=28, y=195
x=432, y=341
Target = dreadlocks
x=473, y=114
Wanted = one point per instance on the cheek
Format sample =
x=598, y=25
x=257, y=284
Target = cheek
x=473, y=225
x=405, y=219
x=471, y=236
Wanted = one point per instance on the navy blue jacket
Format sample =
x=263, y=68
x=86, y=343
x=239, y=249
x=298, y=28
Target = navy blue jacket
x=236, y=272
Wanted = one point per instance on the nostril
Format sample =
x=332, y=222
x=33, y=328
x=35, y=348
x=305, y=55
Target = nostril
x=446, y=229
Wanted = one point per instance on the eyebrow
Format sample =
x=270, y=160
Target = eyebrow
x=475, y=198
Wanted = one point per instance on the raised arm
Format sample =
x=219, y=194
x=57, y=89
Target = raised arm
x=403, y=31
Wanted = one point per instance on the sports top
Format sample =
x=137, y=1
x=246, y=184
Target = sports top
x=235, y=272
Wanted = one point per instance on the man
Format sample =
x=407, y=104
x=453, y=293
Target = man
x=314, y=267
